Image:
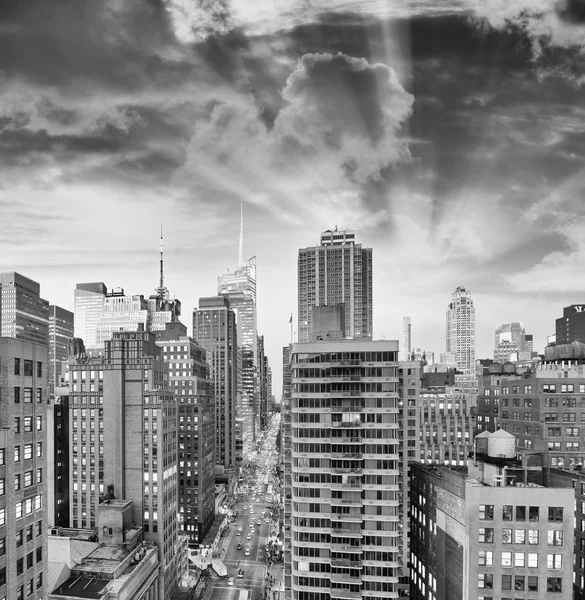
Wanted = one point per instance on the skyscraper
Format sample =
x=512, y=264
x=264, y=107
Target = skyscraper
x=189, y=378
x=89, y=300
x=406, y=339
x=23, y=465
x=24, y=315
x=461, y=331
x=60, y=332
x=337, y=272
x=239, y=287
x=214, y=328
x=345, y=524
x=511, y=341
x=123, y=441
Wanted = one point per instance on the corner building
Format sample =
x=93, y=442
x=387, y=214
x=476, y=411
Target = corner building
x=23, y=465
x=345, y=524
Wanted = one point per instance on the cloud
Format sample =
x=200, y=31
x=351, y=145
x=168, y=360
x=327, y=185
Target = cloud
x=555, y=30
x=339, y=128
x=197, y=20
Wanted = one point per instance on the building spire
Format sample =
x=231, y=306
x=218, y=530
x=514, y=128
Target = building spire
x=241, y=254
x=161, y=291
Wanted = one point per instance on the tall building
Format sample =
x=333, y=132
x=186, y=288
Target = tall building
x=58, y=471
x=189, y=378
x=492, y=530
x=214, y=329
x=405, y=353
x=286, y=373
x=89, y=300
x=571, y=326
x=344, y=471
x=461, y=331
x=23, y=468
x=337, y=272
x=24, y=315
x=239, y=287
x=262, y=382
x=60, y=332
x=121, y=313
x=123, y=442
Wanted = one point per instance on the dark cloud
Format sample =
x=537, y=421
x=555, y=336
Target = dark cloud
x=572, y=11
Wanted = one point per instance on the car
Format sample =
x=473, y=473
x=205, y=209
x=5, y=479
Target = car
x=266, y=520
x=263, y=511
x=247, y=552
x=231, y=581
x=252, y=530
x=239, y=532
x=249, y=536
x=240, y=573
x=258, y=522
x=239, y=547
x=245, y=506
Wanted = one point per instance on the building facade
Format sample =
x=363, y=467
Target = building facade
x=23, y=469
x=89, y=300
x=337, y=272
x=60, y=333
x=571, y=326
x=24, y=315
x=405, y=351
x=461, y=331
x=344, y=470
x=214, y=329
x=189, y=378
x=482, y=533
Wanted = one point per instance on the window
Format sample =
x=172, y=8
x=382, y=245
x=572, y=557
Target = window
x=533, y=513
x=27, y=451
x=16, y=453
x=520, y=513
x=532, y=583
x=39, y=554
x=486, y=558
x=532, y=560
x=533, y=536
x=39, y=423
x=486, y=512
x=555, y=514
x=506, y=536
x=2, y=516
x=19, y=538
x=28, y=395
x=28, y=425
x=2, y=487
x=28, y=368
x=554, y=561
x=506, y=559
x=519, y=583
x=554, y=584
x=29, y=560
x=507, y=512
x=519, y=536
x=555, y=538
x=16, y=395
x=486, y=535
x=485, y=580
x=39, y=369
x=29, y=587
x=28, y=479
x=519, y=559
x=17, y=485
x=39, y=395
x=39, y=449
x=17, y=366
x=39, y=580
x=16, y=424
x=20, y=566
x=506, y=582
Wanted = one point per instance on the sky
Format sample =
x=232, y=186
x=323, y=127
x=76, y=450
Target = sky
x=449, y=134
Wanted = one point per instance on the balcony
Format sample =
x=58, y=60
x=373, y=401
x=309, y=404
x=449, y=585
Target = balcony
x=346, y=517
x=347, y=486
x=346, y=562
x=342, y=470
x=340, y=532
x=345, y=594
x=354, y=455
x=342, y=409
x=356, y=423
x=346, y=501
x=346, y=548
x=344, y=578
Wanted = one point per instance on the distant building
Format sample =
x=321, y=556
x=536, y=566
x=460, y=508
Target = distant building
x=60, y=332
x=338, y=271
x=461, y=331
x=214, y=329
x=406, y=349
x=512, y=343
x=23, y=467
x=286, y=372
x=89, y=300
x=24, y=315
x=492, y=530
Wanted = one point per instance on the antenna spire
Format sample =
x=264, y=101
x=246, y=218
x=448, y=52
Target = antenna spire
x=161, y=291
x=241, y=254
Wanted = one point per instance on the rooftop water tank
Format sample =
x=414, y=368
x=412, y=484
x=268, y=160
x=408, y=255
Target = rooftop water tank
x=501, y=444
x=481, y=442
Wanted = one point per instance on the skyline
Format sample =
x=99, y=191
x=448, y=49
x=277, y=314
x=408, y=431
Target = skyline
x=451, y=138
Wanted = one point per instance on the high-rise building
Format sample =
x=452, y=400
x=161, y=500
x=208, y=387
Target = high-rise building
x=121, y=313
x=262, y=382
x=24, y=315
x=337, y=272
x=344, y=487
x=189, y=378
x=60, y=332
x=214, y=329
x=89, y=300
x=493, y=530
x=461, y=331
x=405, y=353
x=571, y=326
x=123, y=442
x=23, y=467
x=286, y=373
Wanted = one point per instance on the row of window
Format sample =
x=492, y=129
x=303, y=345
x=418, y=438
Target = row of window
x=521, y=536
x=27, y=424
x=27, y=451
x=555, y=513
x=27, y=506
x=519, y=559
x=518, y=583
x=27, y=395
x=28, y=369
